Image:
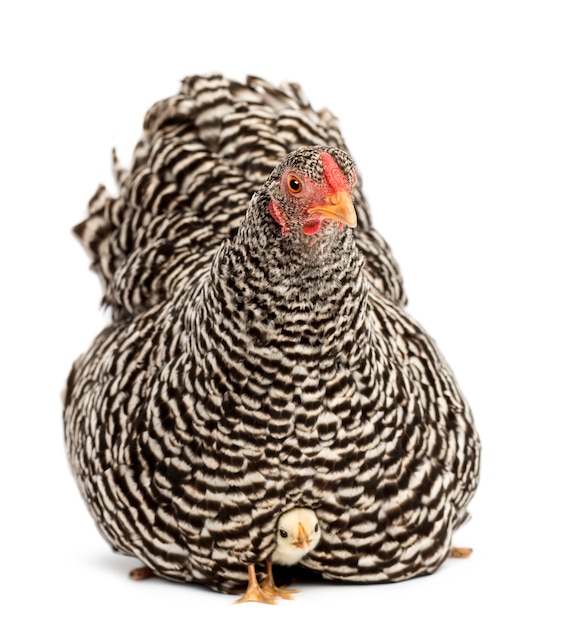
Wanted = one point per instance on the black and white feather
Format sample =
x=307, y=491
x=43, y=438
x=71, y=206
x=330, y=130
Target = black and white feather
x=243, y=375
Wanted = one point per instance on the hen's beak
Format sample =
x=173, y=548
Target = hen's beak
x=302, y=539
x=338, y=207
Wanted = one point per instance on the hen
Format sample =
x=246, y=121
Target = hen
x=259, y=357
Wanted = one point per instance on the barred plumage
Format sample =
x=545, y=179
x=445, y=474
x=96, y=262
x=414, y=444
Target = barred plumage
x=247, y=372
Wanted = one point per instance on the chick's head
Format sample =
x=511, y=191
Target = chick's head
x=297, y=533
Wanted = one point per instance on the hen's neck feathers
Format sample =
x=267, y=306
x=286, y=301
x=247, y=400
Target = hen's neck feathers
x=301, y=292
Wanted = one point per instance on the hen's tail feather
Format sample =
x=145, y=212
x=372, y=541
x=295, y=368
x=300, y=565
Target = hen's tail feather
x=203, y=154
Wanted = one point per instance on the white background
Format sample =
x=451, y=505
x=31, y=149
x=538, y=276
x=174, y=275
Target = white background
x=462, y=119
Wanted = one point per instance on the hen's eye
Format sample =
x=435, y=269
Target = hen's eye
x=283, y=533
x=294, y=184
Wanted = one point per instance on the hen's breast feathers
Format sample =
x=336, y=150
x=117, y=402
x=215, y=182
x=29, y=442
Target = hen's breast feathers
x=204, y=153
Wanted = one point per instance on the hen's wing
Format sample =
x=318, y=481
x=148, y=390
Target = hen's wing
x=204, y=153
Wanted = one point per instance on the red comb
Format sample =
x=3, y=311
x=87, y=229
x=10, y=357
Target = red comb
x=334, y=175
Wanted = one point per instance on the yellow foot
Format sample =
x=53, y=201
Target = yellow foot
x=269, y=586
x=460, y=553
x=278, y=592
x=254, y=592
x=256, y=595
x=142, y=573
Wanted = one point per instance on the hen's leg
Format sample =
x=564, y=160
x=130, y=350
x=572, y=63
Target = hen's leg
x=142, y=573
x=460, y=553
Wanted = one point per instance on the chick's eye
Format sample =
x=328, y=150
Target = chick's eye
x=316, y=528
x=294, y=184
x=283, y=533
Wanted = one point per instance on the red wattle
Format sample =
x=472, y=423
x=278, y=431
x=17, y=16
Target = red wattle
x=312, y=227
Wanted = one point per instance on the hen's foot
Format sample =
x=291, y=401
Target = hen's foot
x=460, y=553
x=142, y=573
x=254, y=592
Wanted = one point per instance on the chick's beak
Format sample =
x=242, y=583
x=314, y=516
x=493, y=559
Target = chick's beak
x=302, y=539
x=338, y=207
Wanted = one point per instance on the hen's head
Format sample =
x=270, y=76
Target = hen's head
x=297, y=533
x=310, y=192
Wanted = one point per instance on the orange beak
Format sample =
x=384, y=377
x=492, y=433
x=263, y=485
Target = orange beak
x=302, y=539
x=338, y=207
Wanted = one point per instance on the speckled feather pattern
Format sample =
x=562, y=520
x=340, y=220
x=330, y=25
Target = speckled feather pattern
x=242, y=376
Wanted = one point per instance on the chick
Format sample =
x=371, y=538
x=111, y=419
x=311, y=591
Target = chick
x=297, y=533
